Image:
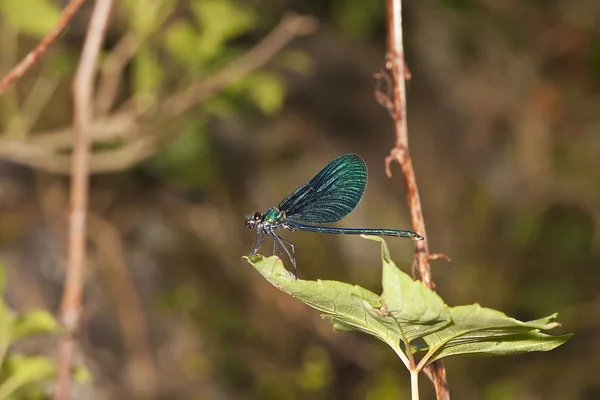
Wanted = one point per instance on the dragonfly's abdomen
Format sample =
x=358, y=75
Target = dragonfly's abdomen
x=353, y=231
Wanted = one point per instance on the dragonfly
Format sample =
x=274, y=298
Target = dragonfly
x=328, y=197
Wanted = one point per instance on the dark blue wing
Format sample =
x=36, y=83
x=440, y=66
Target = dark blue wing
x=331, y=195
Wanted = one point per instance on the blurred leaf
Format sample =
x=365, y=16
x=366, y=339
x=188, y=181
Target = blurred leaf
x=264, y=91
x=4, y=329
x=187, y=160
x=32, y=17
x=147, y=15
x=463, y=6
x=408, y=309
x=298, y=61
x=221, y=106
x=181, y=40
x=62, y=64
x=32, y=322
x=21, y=371
x=387, y=386
x=267, y=91
x=316, y=371
x=82, y=374
x=5, y=317
x=221, y=20
x=357, y=18
x=148, y=77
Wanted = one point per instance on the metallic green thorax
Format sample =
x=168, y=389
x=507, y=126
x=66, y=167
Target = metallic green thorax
x=273, y=215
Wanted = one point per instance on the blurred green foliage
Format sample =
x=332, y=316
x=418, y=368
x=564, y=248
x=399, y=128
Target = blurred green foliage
x=359, y=18
x=31, y=17
x=25, y=376
x=199, y=45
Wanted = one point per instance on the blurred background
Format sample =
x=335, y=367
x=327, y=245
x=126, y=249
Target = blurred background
x=208, y=110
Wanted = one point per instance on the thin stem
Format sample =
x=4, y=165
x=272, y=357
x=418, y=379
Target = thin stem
x=82, y=119
x=400, y=153
x=414, y=384
x=36, y=54
x=426, y=358
x=403, y=357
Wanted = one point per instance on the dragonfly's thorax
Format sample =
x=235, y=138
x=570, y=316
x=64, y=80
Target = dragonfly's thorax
x=274, y=216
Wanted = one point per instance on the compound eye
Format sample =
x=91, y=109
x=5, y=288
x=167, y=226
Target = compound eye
x=258, y=216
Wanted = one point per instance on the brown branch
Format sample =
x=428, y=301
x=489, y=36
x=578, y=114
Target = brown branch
x=36, y=54
x=111, y=73
x=395, y=63
x=83, y=84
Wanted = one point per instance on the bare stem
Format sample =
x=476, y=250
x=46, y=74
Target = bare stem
x=83, y=84
x=414, y=384
x=36, y=54
x=395, y=64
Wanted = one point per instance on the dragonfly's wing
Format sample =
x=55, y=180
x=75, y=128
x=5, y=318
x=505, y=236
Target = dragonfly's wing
x=331, y=194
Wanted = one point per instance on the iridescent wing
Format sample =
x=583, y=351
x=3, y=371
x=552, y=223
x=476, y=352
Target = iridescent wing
x=330, y=195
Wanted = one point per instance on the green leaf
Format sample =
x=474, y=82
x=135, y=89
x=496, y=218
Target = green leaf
x=504, y=345
x=348, y=307
x=32, y=17
x=416, y=308
x=31, y=323
x=408, y=309
x=474, y=327
x=21, y=371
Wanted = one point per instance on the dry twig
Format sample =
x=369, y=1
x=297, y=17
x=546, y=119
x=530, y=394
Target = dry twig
x=82, y=100
x=112, y=73
x=36, y=54
x=395, y=64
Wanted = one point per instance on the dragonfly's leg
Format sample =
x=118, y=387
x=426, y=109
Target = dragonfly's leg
x=289, y=244
x=276, y=248
x=280, y=241
x=258, y=241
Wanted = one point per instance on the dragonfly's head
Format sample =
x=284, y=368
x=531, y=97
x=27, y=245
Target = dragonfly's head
x=253, y=220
